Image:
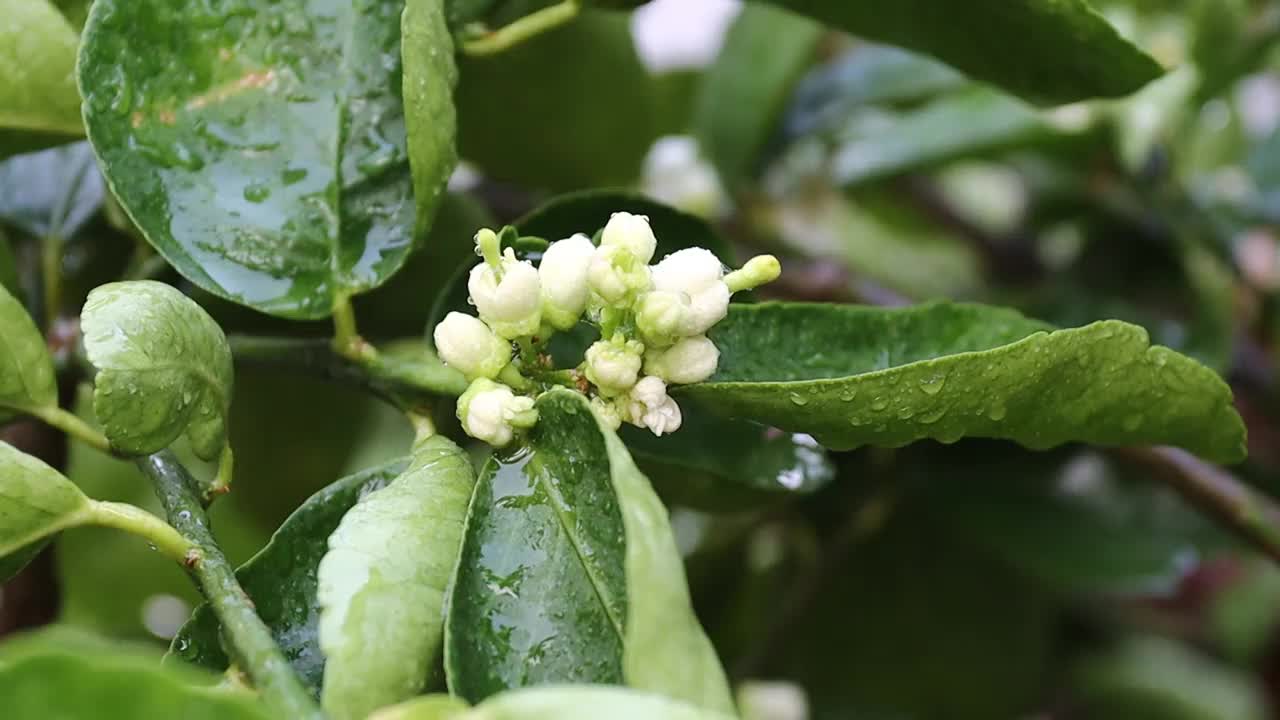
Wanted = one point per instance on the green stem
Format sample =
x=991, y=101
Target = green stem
x=346, y=338
x=133, y=519
x=249, y=641
x=74, y=427
x=529, y=26
x=226, y=469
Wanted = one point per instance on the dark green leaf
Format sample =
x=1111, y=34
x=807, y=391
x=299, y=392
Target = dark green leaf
x=27, y=381
x=430, y=75
x=59, y=674
x=164, y=368
x=381, y=586
x=742, y=98
x=51, y=193
x=580, y=90
x=271, y=167
x=570, y=573
x=281, y=579
x=1050, y=50
x=857, y=375
x=36, y=502
x=39, y=103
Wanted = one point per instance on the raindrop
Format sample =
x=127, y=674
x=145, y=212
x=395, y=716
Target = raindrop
x=997, y=412
x=879, y=404
x=799, y=399
x=849, y=394
x=933, y=385
x=256, y=192
x=932, y=417
x=1133, y=422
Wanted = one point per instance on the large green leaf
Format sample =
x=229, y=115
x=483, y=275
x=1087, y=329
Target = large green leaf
x=260, y=146
x=854, y=376
x=570, y=573
x=39, y=103
x=1050, y=50
x=281, y=580
x=381, y=586
x=430, y=74
x=743, y=98
x=51, y=193
x=60, y=674
x=27, y=381
x=36, y=502
x=164, y=368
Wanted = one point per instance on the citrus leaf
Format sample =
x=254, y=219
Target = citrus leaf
x=381, y=586
x=281, y=580
x=51, y=193
x=260, y=147
x=164, y=368
x=430, y=75
x=60, y=674
x=1051, y=50
x=27, y=381
x=570, y=573
x=36, y=502
x=584, y=702
x=855, y=376
x=39, y=103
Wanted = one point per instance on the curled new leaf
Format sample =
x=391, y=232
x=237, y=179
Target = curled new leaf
x=164, y=368
x=26, y=371
x=36, y=501
x=867, y=376
x=382, y=583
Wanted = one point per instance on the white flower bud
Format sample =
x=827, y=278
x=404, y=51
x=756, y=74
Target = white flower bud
x=695, y=272
x=651, y=407
x=511, y=305
x=490, y=412
x=661, y=317
x=470, y=347
x=631, y=232
x=759, y=270
x=691, y=360
x=563, y=273
x=614, y=367
x=606, y=412
x=616, y=274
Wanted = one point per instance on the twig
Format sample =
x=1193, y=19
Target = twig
x=250, y=643
x=529, y=26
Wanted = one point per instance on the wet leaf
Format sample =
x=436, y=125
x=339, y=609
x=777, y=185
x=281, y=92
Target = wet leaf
x=64, y=674
x=39, y=103
x=36, y=502
x=866, y=376
x=381, y=586
x=53, y=192
x=272, y=169
x=164, y=368
x=570, y=573
x=430, y=75
x=27, y=381
x=281, y=580
x=1050, y=50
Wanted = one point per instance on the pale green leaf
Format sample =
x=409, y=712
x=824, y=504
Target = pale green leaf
x=588, y=702
x=27, y=381
x=430, y=74
x=36, y=502
x=164, y=368
x=38, y=97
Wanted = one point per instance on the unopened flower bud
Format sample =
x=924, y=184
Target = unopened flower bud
x=615, y=274
x=508, y=298
x=470, y=347
x=606, y=411
x=614, y=367
x=696, y=273
x=691, y=360
x=631, y=232
x=661, y=317
x=563, y=273
x=650, y=407
x=758, y=271
x=491, y=412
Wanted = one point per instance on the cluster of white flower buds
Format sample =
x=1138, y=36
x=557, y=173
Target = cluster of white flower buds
x=653, y=323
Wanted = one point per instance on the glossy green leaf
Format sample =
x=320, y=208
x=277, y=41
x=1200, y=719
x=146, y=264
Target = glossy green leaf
x=430, y=75
x=570, y=573
x=27, y=381
x=60, y=674
x=36, y=502
x=742, y=99
x=282, y=580
x=51, y=193
x=39, y=103
x=272, y=170
x=1050, y=50
x=164, y=368
x=580, y=90
x=381, y=586
x=855, y=376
